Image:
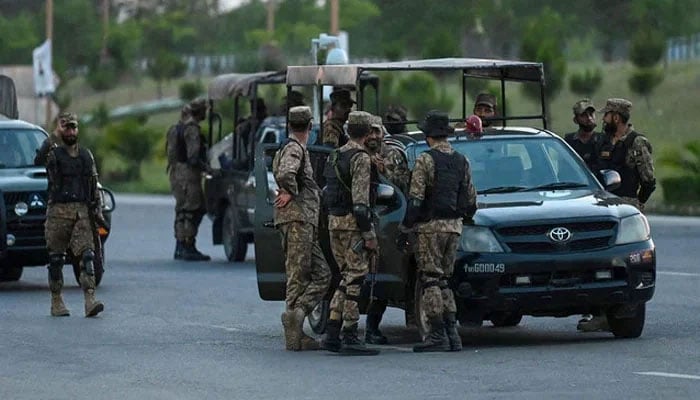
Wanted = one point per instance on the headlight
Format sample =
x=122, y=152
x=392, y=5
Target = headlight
x=479, y=239
x=633, y=229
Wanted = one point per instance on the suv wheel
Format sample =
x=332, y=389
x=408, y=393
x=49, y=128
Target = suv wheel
x=10, y=273
x=627, y=327
x=505, y=319
x=235, y=244
x=422, y=322
x=319, y=316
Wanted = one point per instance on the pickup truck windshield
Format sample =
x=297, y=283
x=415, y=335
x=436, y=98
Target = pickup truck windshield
x=521, y=164
x=18, y=147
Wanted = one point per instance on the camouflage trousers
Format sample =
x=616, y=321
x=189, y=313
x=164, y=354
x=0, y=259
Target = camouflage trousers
x=435, y=256
x=353, y=269
x=189, y=204
x=68, y=227
x=308, y=274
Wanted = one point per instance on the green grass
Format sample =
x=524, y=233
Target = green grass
x=671, y=121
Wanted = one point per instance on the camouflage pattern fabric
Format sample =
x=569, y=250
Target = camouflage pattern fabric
x=353, y=269
x=422, y=179
x=186, y=183
x=639, y=157
x=396, y=167
x=333, y=133
x=305, y=202
x=308, y=274
x=435, y=256
x=68, y=227
x=360, y=171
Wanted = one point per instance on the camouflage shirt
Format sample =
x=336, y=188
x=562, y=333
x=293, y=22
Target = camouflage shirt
x=422, y=179
x=360, y=173
x=333, y=133
x=305, y=201
x=195, y=146
x=393, y=165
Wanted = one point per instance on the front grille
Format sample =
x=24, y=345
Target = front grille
x=27, y=232
x=533, y=239
x=566, y=278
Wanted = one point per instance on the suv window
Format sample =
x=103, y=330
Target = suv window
x=18, y=147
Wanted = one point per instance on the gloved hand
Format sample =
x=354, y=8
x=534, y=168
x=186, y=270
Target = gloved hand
x=405, y=242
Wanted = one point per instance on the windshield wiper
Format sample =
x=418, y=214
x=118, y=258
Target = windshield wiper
x=502, y=189
x=558, y=185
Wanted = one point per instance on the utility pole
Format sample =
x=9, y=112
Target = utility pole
x=105, y=31
x=49, y=37
x=271, y=17
x=335, y=6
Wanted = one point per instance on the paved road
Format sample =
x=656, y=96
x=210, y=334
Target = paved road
x=176, y=330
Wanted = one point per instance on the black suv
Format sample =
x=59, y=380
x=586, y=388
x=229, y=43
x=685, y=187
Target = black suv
x=548, y=238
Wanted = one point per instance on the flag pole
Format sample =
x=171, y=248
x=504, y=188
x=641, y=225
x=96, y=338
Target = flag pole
x=49, y=36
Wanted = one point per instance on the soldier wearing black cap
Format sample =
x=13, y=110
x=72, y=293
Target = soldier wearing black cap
x=441, y=195
x=485, y=108
x=333, y=132
x=584, y=141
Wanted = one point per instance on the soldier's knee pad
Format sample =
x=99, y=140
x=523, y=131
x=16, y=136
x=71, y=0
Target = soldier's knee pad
x=88, y=262
x=56, y=261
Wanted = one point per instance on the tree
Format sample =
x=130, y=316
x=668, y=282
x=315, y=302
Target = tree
x=544, y=41
x=586, y=83
x=18, y=36
x=167, y=35
x=647, y=49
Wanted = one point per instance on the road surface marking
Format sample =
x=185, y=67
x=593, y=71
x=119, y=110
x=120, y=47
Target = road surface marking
x=670, y=375
x=678, y=273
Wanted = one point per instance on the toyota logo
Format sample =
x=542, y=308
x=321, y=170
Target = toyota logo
x=559, y=234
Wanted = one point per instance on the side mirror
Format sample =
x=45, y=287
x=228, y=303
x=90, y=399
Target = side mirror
x=108, y=203
x=386, y=195
x=610, y=179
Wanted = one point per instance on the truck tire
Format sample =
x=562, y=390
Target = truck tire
x=628, y=328
x=235, y=244
x=11, y=273
x=319, y=317
x=505, y=319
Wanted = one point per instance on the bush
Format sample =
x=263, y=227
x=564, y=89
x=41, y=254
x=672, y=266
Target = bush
x=419, y=92
x=133, y=141
x=190, y=90
x=643, y=81
x=681, y=190
x=648, y=48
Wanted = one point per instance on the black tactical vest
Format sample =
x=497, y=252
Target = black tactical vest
x=629, y=176
x=447, y=197
x=587, y=150
x=337, y=195
x=72, y=177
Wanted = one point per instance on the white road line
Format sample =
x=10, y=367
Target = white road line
x=669, y=375
x=678, y=273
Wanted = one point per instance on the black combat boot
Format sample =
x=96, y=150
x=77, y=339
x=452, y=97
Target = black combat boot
x=190, y=252
x=331, y=341
x=436, y=340
x=372, y=333
x=353, y=346
x=179, y=245
x=452, y=332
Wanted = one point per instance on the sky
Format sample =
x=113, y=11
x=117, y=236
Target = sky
x=229, y=4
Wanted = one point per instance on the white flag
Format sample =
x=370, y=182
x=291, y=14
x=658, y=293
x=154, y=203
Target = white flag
x=43, y=73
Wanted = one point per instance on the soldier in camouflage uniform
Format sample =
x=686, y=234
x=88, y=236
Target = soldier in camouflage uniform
x=390, y=162
x=333, y=132
x=349, y=196
x=441, y=195
x=186, y=150
x=72, y=216
x=629, y=153
x=585, y=140
x=485, y=107
x=296, y=216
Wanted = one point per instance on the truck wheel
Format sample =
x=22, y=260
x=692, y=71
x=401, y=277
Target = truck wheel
x=10, y=273
x=502, y=320
x=628, y=328
x=422, y=322
x=235, y=244
x=319, y=317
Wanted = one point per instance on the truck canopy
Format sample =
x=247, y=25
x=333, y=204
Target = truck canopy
x=8, y=98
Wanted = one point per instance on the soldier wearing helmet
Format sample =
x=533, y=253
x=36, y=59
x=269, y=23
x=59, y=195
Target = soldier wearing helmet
x=186, y=148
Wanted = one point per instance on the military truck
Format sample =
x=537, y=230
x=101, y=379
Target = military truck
x=548, y=239
x=24, y=194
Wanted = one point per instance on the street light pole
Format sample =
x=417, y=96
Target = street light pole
x=334, y=17
x=49, y=37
